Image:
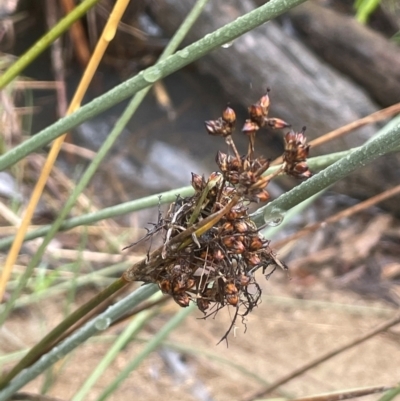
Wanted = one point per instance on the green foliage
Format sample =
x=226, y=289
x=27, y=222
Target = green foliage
x=365, y=9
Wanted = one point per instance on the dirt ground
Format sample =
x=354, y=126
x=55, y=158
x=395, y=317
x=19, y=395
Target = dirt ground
x=283, y=333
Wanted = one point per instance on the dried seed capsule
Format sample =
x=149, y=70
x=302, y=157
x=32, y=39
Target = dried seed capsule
x=227, y=228
x=182, y=299
x=197, y=182
x=236, y=213
x=264, y=102
x=234, y=163
x=250, y=127
x=213, y=127
x=238, y=247
x=276, y=123
x=228, y=241
x=243, y=280
x=255, y=243
x=232, y=177
x=231, y=294
x=252, y=259
x=165, y=286
x=229, y=116
x=230, y=288
x=241, y=227
x=203, y=304
x=222, y=161
x=218, y=255
x=257, y=114
x=232, y=299
x=190, y=283
x=262, y=196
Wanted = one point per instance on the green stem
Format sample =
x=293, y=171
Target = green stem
x=45, y=41
x=47, y=342
x=147, y=77
x=101, y=322
x=129, y=333
x=150, y=347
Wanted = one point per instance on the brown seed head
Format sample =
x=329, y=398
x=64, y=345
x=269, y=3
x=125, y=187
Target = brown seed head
x=264, y=102
x=277, y=123
x=257, y=114
x=198, y=182
x=165, y=286
x=250, y=127
x=229, y=116
x=222, y=161
x=182, y=299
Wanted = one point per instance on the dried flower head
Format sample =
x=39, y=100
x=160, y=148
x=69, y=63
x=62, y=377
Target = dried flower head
x=212, y=248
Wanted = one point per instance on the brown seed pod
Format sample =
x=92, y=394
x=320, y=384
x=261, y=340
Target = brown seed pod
x=241, y=226
x=165, y=286
x=277, y=123
x=203, y=304
x=182, y=299
x=222, y=161
x=252, y=259
x=243, y=280
x=229, y=116
x=257, y=114
x=198, y=182
x=250, y=127
x=264, y=102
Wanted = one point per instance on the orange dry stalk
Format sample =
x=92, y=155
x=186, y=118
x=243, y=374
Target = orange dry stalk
x=212, y=248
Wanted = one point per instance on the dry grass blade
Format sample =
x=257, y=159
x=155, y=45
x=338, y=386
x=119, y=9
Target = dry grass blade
x=33, y=397
x=299, y=371
x=346, y=395
x=107, y=36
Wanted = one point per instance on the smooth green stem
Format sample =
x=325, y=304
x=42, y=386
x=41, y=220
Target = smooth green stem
x=150, y=347
x=91, y=328
x=188, y=55
x=45, y=41
x=59, y=330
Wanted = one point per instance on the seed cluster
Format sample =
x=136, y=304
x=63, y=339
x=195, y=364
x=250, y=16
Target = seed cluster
x=212, y=249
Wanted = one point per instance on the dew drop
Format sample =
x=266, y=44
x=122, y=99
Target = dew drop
x=102, y=323
x=274, y=218
x=227, y=45
x=152, y=74
x=184, y=53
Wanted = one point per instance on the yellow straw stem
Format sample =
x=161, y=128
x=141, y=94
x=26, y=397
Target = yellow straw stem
x=106, y=37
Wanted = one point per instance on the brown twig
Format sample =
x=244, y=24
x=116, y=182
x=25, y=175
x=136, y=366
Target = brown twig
x=33, y=397
x=299, y=371
x=346, y=394
x=78, y=36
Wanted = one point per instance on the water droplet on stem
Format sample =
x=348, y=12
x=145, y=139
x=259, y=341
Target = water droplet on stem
x=152, y=74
